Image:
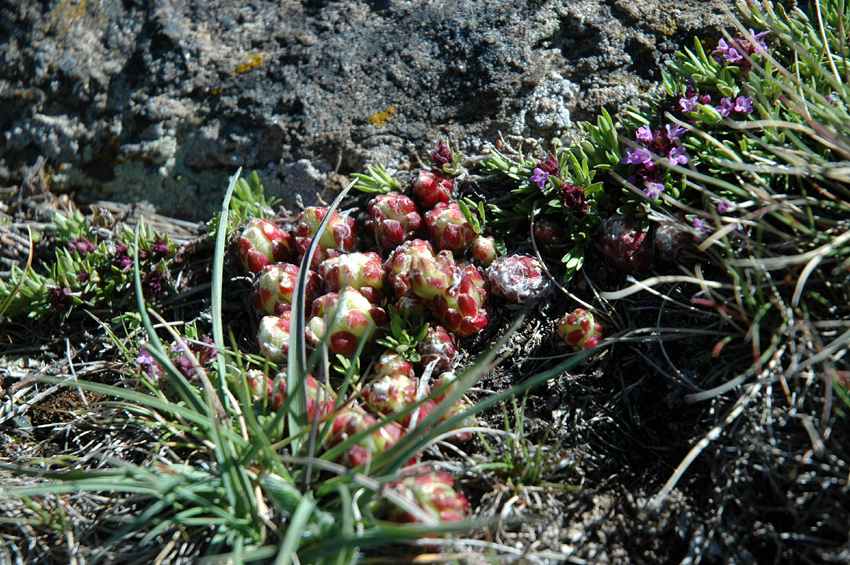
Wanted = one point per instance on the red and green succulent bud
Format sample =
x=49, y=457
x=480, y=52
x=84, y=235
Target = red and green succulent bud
x=448, y=228
x=430, y=277
x=346, y=319
x=483, y=250
x=273, y=336
x=393, y=393
x=445, y=385
x=547, y=234
x=625, y=246
x=338, y=237
x=362, y=271
x=580, y=330
x=517, y=278
x=461, y=306
x=275, y=286
x=262, y=243
x=350, y=422
x=433, y=492
x=320, y=399
x=431, y=187
x=671, y=239
x=397, y=266
x=394, y=219
x=259, y=385
x=437, y=348
x=392, y=363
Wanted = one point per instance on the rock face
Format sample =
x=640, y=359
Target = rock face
x=161, y=100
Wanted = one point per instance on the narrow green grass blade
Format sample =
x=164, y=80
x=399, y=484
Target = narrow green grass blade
x=297, y=361
x=295, y=529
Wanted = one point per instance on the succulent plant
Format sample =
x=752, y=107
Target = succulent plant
x=433, y=276
x=395, y=392
x=448, y=228
x=433, y=492
x=259, y=385
x=275, y=285
x=397, y=265
x=392, y=363
x=362, y=271
x=262, y=243
x=338, y=237
x=345, y=318
x=670, y=240
x=273, y=336
x=351, y=421
x=517, y=278
x=394, y=219
x=445, y=384
x=431, y=187
x=625, y=246
x=320, y=399
x=547, y=234
x=461, y=306
x=437, y=348
x=580, y=330
x=483, y=250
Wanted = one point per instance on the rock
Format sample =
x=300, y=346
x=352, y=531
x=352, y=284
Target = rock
x=162, y=100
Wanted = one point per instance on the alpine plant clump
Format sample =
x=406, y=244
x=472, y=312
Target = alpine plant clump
x=338, y=237
x=394, y=218
x=275, y=286
x=517, y=278
x=433, y=492
x=448, y=228
x=262, y=243
x=579, y=329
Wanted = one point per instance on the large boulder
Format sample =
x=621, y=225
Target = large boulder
x=162, y=100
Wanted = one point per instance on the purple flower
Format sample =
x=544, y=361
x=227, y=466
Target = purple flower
x=705, y=98
x=638, y=156
x=725, y=107
x=688, y=104
x=677, y=156
x=743, y=104
x=151, y=365
x=673, y=132
x=539, y=177
x=83, y=277
x=442, y=156
x=653, y=190
x=701, y=229
x=152, y=283
x=81, y=245
x=160, y=249
x=61, y=298
x=724, y=207
x=120, y=258
x=573, y=197
x=644, y=135
x=727, y=52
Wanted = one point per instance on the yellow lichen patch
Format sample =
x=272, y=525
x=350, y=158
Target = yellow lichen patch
x=66, y=14
x=251, y=63
x=217, y=91
x=379, y=118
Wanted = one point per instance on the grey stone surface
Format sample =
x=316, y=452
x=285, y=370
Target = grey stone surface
x=162, y=100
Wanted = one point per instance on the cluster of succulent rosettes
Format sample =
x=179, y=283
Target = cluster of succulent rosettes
x=431, y=491
x=517, y=278
x=629, y=248
x=394, y=218
x=448, y=228
x=579, y=329
x=432, y=187
x=275, y=286
x=351, y=421
x=339, y=236
x=361, y=271
x=345, y=319
x=262, y=243
x=392, y=393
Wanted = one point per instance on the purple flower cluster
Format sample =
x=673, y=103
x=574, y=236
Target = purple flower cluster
x=573, y=197
x=60, y=298
x=662, y=143
x=734, y=53
x=544, y=169
x=442, y=156
x=120, y=258
x=81, y=245
x=204, y=352
x=741, y=105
